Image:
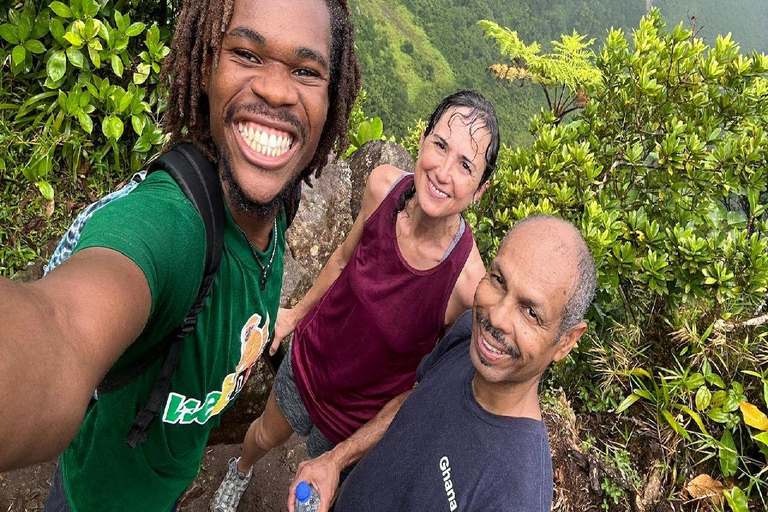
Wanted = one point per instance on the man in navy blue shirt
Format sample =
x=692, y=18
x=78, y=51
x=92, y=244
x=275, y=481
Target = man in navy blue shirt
x=470, y=436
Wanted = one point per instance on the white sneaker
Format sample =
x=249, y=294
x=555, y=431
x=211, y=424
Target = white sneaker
x=230, y=491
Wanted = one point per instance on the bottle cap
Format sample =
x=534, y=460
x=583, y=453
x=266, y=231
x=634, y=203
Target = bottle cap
x=303, y=491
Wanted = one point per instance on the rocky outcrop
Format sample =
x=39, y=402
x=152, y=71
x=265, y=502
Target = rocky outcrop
x=322, y=222
x=371, y=155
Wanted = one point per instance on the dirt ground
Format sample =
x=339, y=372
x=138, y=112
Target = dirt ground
x=577, y=474
x=25, y=490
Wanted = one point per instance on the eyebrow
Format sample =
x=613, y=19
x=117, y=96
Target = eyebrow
x=526, y=301
x=301, y=52
x=248, y=34
x=309, y=53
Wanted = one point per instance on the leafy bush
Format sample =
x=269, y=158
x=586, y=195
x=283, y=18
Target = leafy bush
x=665, y=173
x=80, y=96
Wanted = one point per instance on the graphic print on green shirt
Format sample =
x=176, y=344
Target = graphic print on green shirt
x=157, y=228
x=180, y=409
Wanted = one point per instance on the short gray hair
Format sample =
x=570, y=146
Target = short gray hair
x=583, y=292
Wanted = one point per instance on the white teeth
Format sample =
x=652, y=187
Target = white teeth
x=436, y=191
x=268, y=144
x=491, y=349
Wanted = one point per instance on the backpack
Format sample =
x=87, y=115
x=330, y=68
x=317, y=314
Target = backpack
x=199, y=182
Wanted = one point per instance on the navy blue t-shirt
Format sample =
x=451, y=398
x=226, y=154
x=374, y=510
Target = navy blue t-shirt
x=444, y=452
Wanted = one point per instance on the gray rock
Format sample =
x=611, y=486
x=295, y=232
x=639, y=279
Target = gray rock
x=322, y=222
x=371, y=155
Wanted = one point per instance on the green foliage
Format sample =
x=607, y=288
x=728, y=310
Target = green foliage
x=563, y=74
x=665, y=173
x=454, y=48
x=81, y=97
x=361, y=127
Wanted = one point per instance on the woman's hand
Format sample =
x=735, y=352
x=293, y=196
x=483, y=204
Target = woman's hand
x=286, y=323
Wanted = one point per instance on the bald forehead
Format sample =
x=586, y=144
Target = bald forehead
x=547, y=242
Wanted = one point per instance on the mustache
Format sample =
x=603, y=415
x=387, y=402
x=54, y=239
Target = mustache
x=272, y=113
x=496, y=334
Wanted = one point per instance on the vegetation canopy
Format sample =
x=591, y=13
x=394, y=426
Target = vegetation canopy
x=664, y=170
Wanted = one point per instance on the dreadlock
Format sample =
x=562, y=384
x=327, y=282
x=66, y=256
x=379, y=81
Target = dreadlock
x=200, y=29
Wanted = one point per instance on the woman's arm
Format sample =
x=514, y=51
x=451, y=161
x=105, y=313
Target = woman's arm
x=379, y=184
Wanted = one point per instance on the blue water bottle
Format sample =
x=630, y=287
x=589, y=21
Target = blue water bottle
x=307, y=499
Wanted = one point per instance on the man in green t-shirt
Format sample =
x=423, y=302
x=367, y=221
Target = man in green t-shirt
x=263, y=89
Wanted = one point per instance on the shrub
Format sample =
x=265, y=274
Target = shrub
x=665, y=173
x=80, y=97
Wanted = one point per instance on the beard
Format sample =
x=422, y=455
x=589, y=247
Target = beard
x=244, y=204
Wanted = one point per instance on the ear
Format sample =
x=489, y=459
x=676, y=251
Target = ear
x=568, y=341
x=205, y=80
x=480, y=191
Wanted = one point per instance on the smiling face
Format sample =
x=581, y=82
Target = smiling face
x=451, y=163
x=519, y=304
x=268, y=95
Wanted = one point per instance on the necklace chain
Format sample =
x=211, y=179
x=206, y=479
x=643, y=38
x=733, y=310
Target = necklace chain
x=264, y=268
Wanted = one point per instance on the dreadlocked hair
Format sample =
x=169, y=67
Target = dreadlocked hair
x=200, y=28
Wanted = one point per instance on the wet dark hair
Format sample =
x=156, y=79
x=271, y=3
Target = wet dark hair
x=196, y=43
x=480, y=110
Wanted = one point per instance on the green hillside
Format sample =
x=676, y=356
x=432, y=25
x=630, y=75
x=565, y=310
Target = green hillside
x=414, y=52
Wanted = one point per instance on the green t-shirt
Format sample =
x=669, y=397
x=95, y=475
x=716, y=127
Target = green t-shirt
x=159, y=229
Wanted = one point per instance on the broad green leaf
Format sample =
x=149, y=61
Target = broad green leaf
x=703, y=398
x=377, y=127
x=117, y=127
x=57, y=29
x=85, y=121
x=40, y=27
x=18, y=55
x=25, y=26
x=74, y=39
x=45, y=189
x=753, y=416
x=61, y=9
x=76, y=58
x=729, y=459
x=715, y=380
x=90, y=7
x=112, y=127
x=34, y=46
x=9, y=33
x=124, y=102
x=135, y=29
x=737, y=500
x=762, y=437
x=141, y=74
x=138, y=124
x=718, y=415
x=95, y=57
x=117, y=65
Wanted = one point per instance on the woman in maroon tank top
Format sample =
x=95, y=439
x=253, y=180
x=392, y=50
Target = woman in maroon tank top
x=408, y=268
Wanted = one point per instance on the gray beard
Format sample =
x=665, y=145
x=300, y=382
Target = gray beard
x=242, y=203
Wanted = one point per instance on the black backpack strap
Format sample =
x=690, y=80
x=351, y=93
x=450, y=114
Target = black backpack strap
x=199, y=182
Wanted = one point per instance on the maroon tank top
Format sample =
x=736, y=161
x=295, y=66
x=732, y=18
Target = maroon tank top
x=360, y=345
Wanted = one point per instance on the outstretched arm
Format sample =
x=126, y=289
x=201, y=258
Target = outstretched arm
x=376, y=189
x=323, y=472
x=58, y=338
